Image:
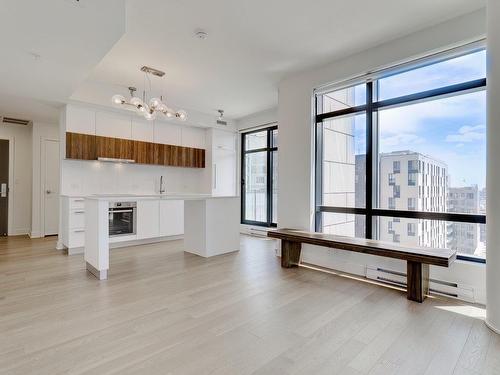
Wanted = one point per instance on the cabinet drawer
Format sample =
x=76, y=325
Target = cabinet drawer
x=76, y=238
x=76, y=219
x=76, y=203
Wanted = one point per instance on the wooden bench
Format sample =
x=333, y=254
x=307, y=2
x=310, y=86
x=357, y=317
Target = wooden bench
x=418, y=259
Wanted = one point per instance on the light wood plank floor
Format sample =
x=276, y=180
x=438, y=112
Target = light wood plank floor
x=166, y=312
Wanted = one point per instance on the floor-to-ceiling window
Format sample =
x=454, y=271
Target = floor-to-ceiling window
x=259, y=159
x=401, y=154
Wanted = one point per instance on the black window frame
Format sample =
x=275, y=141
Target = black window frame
x=371, y=108
x=269, y=149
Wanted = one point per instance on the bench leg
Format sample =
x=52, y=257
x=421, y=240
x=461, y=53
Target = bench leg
x=290, y=253
x=417, y=279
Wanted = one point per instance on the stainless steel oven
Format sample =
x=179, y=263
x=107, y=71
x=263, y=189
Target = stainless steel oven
x=122, y=218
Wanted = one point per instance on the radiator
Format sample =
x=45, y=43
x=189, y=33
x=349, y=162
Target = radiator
x=437, y=287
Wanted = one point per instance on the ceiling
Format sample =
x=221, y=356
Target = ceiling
x=251, y=45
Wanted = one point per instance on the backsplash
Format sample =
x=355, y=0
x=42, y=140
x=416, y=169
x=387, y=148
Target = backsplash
x=94, y=177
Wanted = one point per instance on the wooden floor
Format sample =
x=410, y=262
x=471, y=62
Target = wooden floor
x=166, y=312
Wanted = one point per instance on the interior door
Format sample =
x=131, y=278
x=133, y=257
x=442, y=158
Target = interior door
x=4, y=186
x=51, y=187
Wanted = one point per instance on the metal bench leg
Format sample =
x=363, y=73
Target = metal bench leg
x=417, y=279
x=290, y=253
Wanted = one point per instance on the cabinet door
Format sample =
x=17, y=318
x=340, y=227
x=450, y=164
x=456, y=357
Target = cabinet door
x=116, y=148
x=80, y=120
x=148, y=219
x=193, y=137
x=167, y=134
x=142, y=130
x=171, y=218
x=224, y=140
x=224, y=173
x=113, y=125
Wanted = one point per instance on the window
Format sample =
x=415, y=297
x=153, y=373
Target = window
x=412, y=179
x=424, y=121
x=396, y=166
x=259, y=177
x=397, y=191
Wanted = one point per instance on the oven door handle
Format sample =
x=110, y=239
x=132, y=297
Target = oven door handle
x=119, y=211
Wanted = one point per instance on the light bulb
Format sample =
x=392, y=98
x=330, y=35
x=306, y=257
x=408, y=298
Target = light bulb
x=155, y=103
x=136, y=102
x=162, y=107
x=181, y=115
x=118, y=99
x=150, y=115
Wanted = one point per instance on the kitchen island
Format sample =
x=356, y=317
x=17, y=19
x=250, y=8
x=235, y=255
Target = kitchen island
x=211, y=224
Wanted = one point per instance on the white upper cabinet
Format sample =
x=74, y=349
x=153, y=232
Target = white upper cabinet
x=224, y=140
x=167, y=134
x=142, y=130
x=193, y=137
x=109, y=124
x=80, y=120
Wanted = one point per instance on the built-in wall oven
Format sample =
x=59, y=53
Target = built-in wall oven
x=122, y=218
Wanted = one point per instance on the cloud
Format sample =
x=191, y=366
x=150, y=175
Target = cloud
x=402, y=140
x=467, y=134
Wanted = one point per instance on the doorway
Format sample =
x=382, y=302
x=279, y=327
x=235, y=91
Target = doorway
x=4, y=187
x=50, y=186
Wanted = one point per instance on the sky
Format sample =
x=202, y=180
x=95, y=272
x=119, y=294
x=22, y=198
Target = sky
x=452, y=130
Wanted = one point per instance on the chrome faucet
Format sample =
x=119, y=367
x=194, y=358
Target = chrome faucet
x=162, y=187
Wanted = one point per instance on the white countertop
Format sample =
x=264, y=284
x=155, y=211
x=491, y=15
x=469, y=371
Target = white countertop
x=136, y=197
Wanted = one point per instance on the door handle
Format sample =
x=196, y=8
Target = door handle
x=49, y=192
x=3, y=190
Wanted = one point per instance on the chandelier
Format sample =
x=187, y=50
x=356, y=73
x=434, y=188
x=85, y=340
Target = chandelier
x=148, y=108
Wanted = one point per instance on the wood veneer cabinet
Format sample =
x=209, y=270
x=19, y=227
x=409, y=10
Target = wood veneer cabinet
x=91, y=147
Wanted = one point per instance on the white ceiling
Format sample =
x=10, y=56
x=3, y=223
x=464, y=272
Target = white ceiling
x=251, y=46
x=49, y=47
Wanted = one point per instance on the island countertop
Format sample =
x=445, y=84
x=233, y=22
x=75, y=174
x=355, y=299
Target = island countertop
x=166, y=196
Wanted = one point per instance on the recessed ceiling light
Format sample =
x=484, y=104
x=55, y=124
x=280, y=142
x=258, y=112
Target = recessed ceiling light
x=201, y=34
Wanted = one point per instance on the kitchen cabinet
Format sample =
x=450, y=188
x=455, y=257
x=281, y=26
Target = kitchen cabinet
x=109, y=124
x=193, y=137
x=148, y=219
x=167, y=134
x=171, y=217
x=116, y=148
x=80, y=146
x=73, y=224
x=223, y=163
x=142, y=130
x=80, y=120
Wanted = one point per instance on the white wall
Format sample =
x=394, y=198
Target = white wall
x=296, y=144
x=20, y=211
x=41, y=132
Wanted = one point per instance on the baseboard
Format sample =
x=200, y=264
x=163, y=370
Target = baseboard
x=492, y=327
x=35, y=235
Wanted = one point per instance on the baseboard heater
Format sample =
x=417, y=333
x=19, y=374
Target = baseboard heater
x=256, y=232
x=436, y=287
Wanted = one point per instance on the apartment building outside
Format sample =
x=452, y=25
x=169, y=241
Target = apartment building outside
x=463, y=237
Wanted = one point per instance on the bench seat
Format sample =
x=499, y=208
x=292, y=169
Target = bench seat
x=418, y=258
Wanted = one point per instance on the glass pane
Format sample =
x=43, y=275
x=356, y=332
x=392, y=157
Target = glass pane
x=274, y=138
x=343, y=224
x=275, y=187
x=457, y=70
x=341, y=99
x=256, y=186
x=256, y=140
x=467, y=238
x=344, y=161
x=432, y=155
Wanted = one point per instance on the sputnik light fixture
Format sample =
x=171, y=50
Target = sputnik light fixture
x=156, y=104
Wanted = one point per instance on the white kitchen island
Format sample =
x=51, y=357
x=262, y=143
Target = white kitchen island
x=211, y=225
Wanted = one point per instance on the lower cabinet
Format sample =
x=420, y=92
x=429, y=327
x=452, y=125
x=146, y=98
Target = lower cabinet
x=148, y=219
x=171, y=218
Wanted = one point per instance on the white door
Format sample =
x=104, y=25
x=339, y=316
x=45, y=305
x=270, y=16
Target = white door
x=50, y=183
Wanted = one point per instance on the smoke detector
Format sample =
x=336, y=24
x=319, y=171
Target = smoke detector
x=201, y=34
x=220, y=119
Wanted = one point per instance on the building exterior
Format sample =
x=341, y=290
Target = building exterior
x=412, y=181
x=463, y=237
